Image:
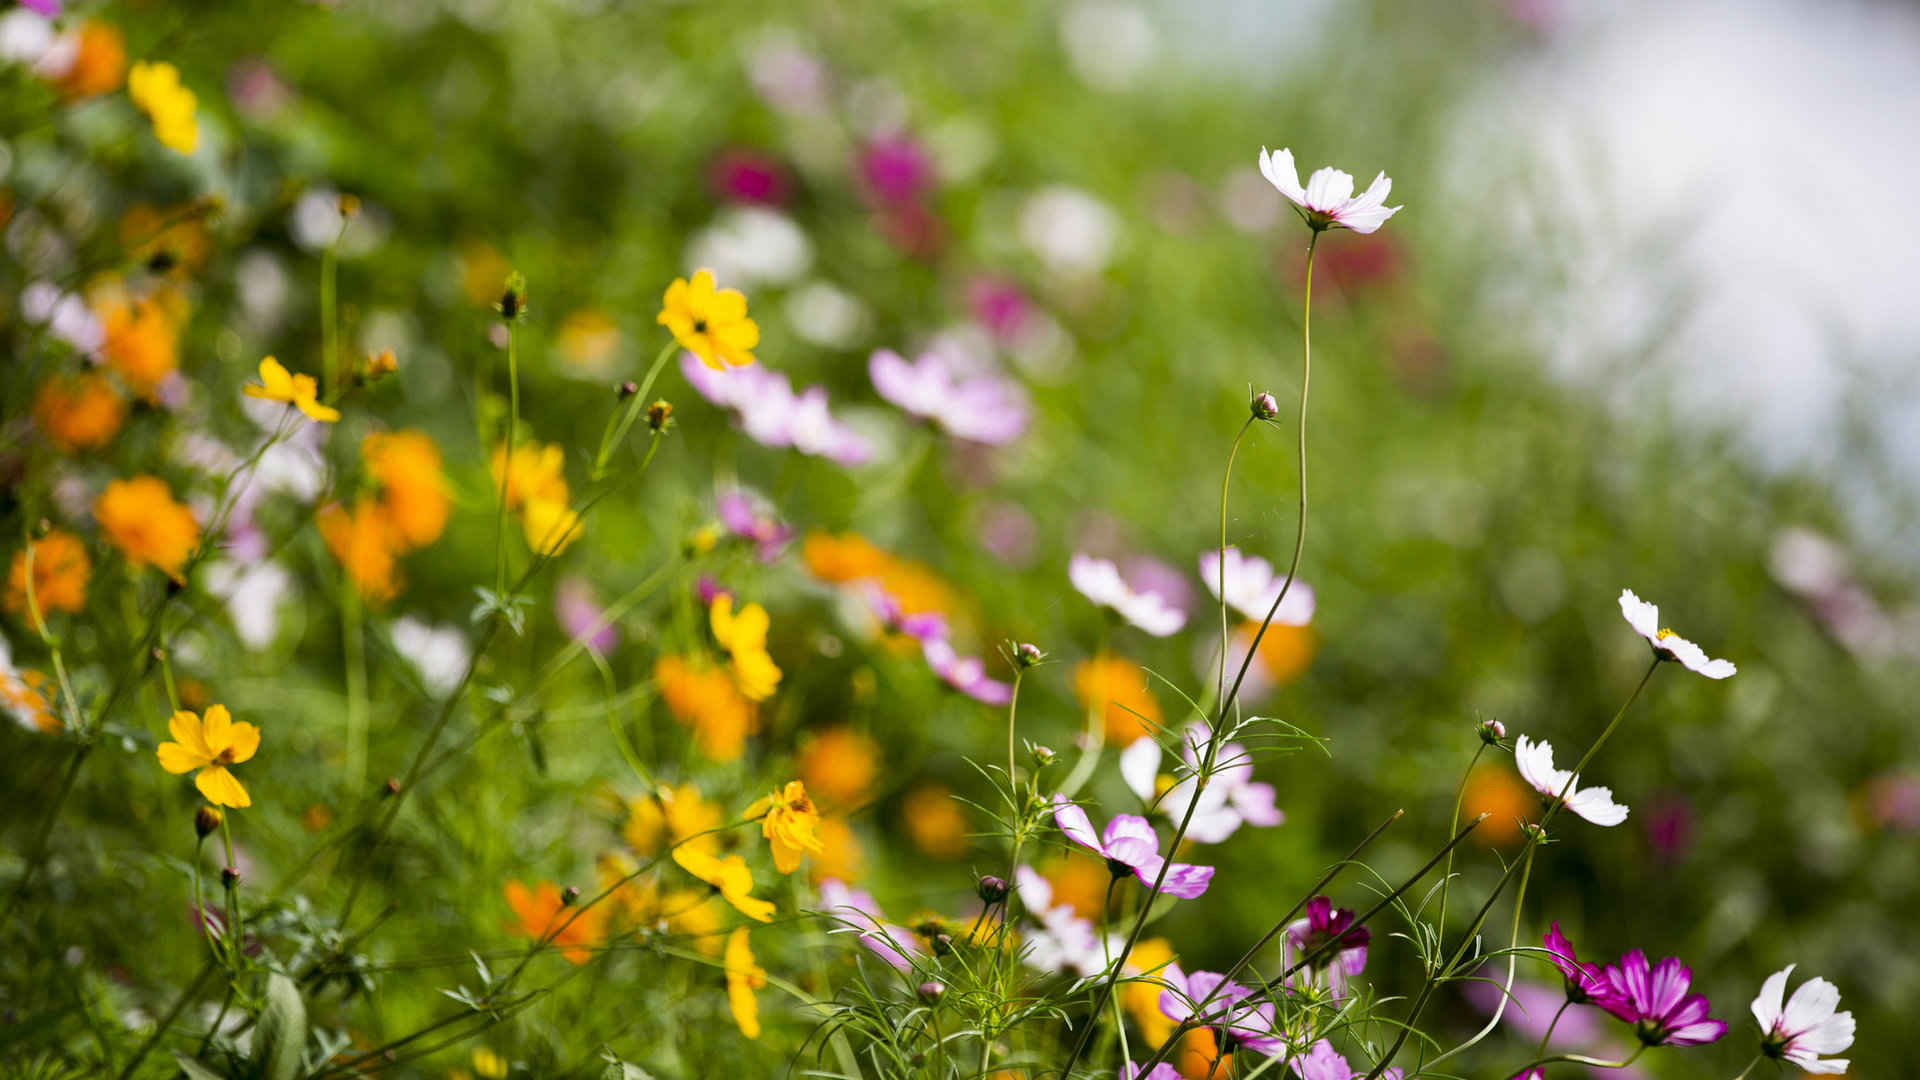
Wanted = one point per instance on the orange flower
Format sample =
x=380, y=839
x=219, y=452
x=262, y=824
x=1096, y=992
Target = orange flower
x=840, y=764
x=362, y=542
x=1141, y=998
x=704, y=698
x=413, y=490
x=138, y=342
x=788, y=820
x=1285, y=651
x=1119, y=687
x=673, y=816
x=60, y=571
x=174, y=238
x=540, y=912
x=99, y=62
x=26, y=696
x=79, y=412
x=140, y=518
x=711, y=323
x=1079, y=881
x=840, y=856
x=934, y=822
x=850, y=557
x=1496, y=792
x=205, y=748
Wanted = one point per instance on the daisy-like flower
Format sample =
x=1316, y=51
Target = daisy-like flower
x=750, y=518
x=1585, y=981
x=542, y=913
x=982, y=407
x=1063, y=941
x=1231, y=797
x=855, y=907
x=155, y=89
x=729, y=875
x=744, y=636
x=771, y=414
x=1162, y=1071
x=1654, y=999
x=1213, y=1001
x=1667, y=645
x=1323, y=1062
x=299, y=391
x=1328, y=201
x=788, y=819
x=141, y=518
x=1099, y=580
x=1328, y=934
x=708, y=322
x=965, y=673
x=1252, y=587
x=1535, y=761
x=206, y=747
x=1130, y=847
x=1802, y=1028
x=744, y=976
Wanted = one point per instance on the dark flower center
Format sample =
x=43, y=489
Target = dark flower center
x=699, y=326
x=1118, y=869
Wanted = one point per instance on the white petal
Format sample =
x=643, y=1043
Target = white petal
x=1596, y=805
x=1812, y=1003
x=1365, y=220
x=1139, y=764
x=1281, y=173
x=1830, y=1036
x=1767, y=1007
x=1098, y=580
x=1535, y=762
x=1328, y=188
x=1642, y=616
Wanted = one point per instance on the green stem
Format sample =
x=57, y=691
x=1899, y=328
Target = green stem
x=506, y=462
x=1590, y=1062
x=353, y=643
x=615, y=435
x=1226, y=477
x=1446, y=879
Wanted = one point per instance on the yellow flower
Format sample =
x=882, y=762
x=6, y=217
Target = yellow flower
x=488, y=1064
x=706, y=700
x=840, y=764
x=550, y=526
x=743, y=978
x=300, y=391
x=1118, y=688
x=60, y=572
x=710, y=323
x=839, y=855
x=171, y=240
x=534, y=473
x=156, y=89
x=730, y=876
x=140, y=517
x=413, y=490
x=934, y=822
x=744, y=636
x=210, y=746
x=1141, y=997
x=788, y=820
x=78, y=412
x=673, y=816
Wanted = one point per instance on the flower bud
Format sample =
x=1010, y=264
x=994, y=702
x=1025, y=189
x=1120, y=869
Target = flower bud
x=570, y=895
x=205, y=820
x=942, y=945
x=1264, y=407
x=659, y=414
x=931, y=991
x=392, y=786
x=626, y=390
x=1042, y=755
x=349, y=206
x=992, y=889
x=1492, y=731
x=513, y=302
x=229, y=877
x=1028, y=654
x=379, y=365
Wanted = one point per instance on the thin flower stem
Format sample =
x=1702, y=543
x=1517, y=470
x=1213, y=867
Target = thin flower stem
x=1590, y=1062
x=166, y=1022
x=1506, y=990
x=1551, y=1024
x=353, y=644
x=506, y=462
x=1757, y=1058
x=614, y=435
x=1226, y=476
x=1446, y=878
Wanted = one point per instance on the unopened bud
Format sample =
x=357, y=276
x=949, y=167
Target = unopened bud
x=1042, y=755
x=1534, y=831
x=349, y=206
x=626, y=390
x=1028, y=654
x=513, y=302
x=942, y=945
x=206, y=820
x=1492, y=731
x=1263, y=406
x=659, y=414
x=570, y=895
x=992, y=889
x=41, y=528
x=229, y=877
x=931, y=991
x=392, y=786
x=379, y=365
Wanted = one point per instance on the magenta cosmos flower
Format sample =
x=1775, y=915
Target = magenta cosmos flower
x=1332, y=966
x=1130, y=846
x=773, y=415
x=751, y=518
x=1162, y=1071
x=1586, y=982
x=1328, y=201
x=1654, y=999
x=1323, y=1062
x=965, y=673
x=1212, y=1000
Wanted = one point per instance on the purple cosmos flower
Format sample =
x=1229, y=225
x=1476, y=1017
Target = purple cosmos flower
x=966, y=674
x=1064, y=941
x=1655, y=1001
x=1801, y=1028
x=1130, y=846
x=1230, y=799
x=749, y=176
x=983, y=408
x=751, y=518
x=1323, y=1062
x=1162, y=1071
x=1099, y=581
x=855, y=908
x=49, y=8
x=579, y=614
x=1324, y=924
x=1212, y=1000
x=895, y=169
x=927, y=626
x=1586, y=982
x=773, y=415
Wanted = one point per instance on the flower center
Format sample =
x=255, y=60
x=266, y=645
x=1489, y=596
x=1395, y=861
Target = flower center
x=1162, y=784
x=699, y=326
x=224, y=757
x=1663, y=635
x=1117, y=868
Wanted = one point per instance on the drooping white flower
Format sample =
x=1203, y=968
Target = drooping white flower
x=1231, y=798
x=1099, y=580
x=1328, y=201
x=1252, y=587
x=1535, y=761
x=1805, y=1026
x=1645, y=620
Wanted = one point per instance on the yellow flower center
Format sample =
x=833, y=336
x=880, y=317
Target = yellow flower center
x=1663, y=635
x=1162, y=784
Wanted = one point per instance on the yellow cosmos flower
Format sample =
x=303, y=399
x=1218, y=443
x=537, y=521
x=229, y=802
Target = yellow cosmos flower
x=744, y=636
x=550, y=526
x=743, y=978
x=730, y=876
x=673, y=816
x=209, y=746
x=708, y=322
x=706, y=700
x=533, y=473
x=300, y=391
x=155, y=88
x=788, y=820
x=413, y=490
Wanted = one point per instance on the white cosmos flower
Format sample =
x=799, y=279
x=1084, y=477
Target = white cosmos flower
x=1535, y=761
x=1232, y=797
x=1100, y=581
x=1252, y=587
x=1806, y=1026
x=1645, y=620
x=1063, y=941
x=439, y=653
x=1328, y=201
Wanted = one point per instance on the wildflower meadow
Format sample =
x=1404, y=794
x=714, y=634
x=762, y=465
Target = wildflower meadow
x=577, y=539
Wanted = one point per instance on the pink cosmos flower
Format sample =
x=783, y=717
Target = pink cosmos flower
x=981, y=408
x=923, y=627
x=773, y=415
x=1162, y=1071
x=855, y=908
x=1323, y=1062
x=578, y=612
x=1585, y=981
x=1328, y=201
x=1099, y=581
x=1654, y=999
x=749, y=176
x=895, y=169
x=1252, y=587
x=1323, y=925
x=965, y=673
x=1802, y=1028
x=1231, y=798
x=1000, y=305
x=1130, y=846
x=751, y=518
x=1212, y=1000
x=1535, y=762
x=1667, y=645
x=1064, y=941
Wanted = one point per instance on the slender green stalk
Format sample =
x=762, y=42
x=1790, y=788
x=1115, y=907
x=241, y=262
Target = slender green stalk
x=615, y=434
x=506, y=461
x=166, y=1021
x=1226, y=477
x=1757, y=1058
x=1446, y=879
x=353, y=644
x=1590, y=1062
x=1506, y=989
x=1551, y=1024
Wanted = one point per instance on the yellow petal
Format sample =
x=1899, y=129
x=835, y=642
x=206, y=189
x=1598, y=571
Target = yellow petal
x=216, y=727
x=786, y=859
x=326, y=414
x=727, y=306
x=276, y=382
x=221, y=788
x=185, y=729
x=178, y=759
x=674, y=304
x=752, y=907
x=700, y=292
x=243, y=741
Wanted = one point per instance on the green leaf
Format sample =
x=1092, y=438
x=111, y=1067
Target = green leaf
x=283, y=1031
x=194, y=1069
